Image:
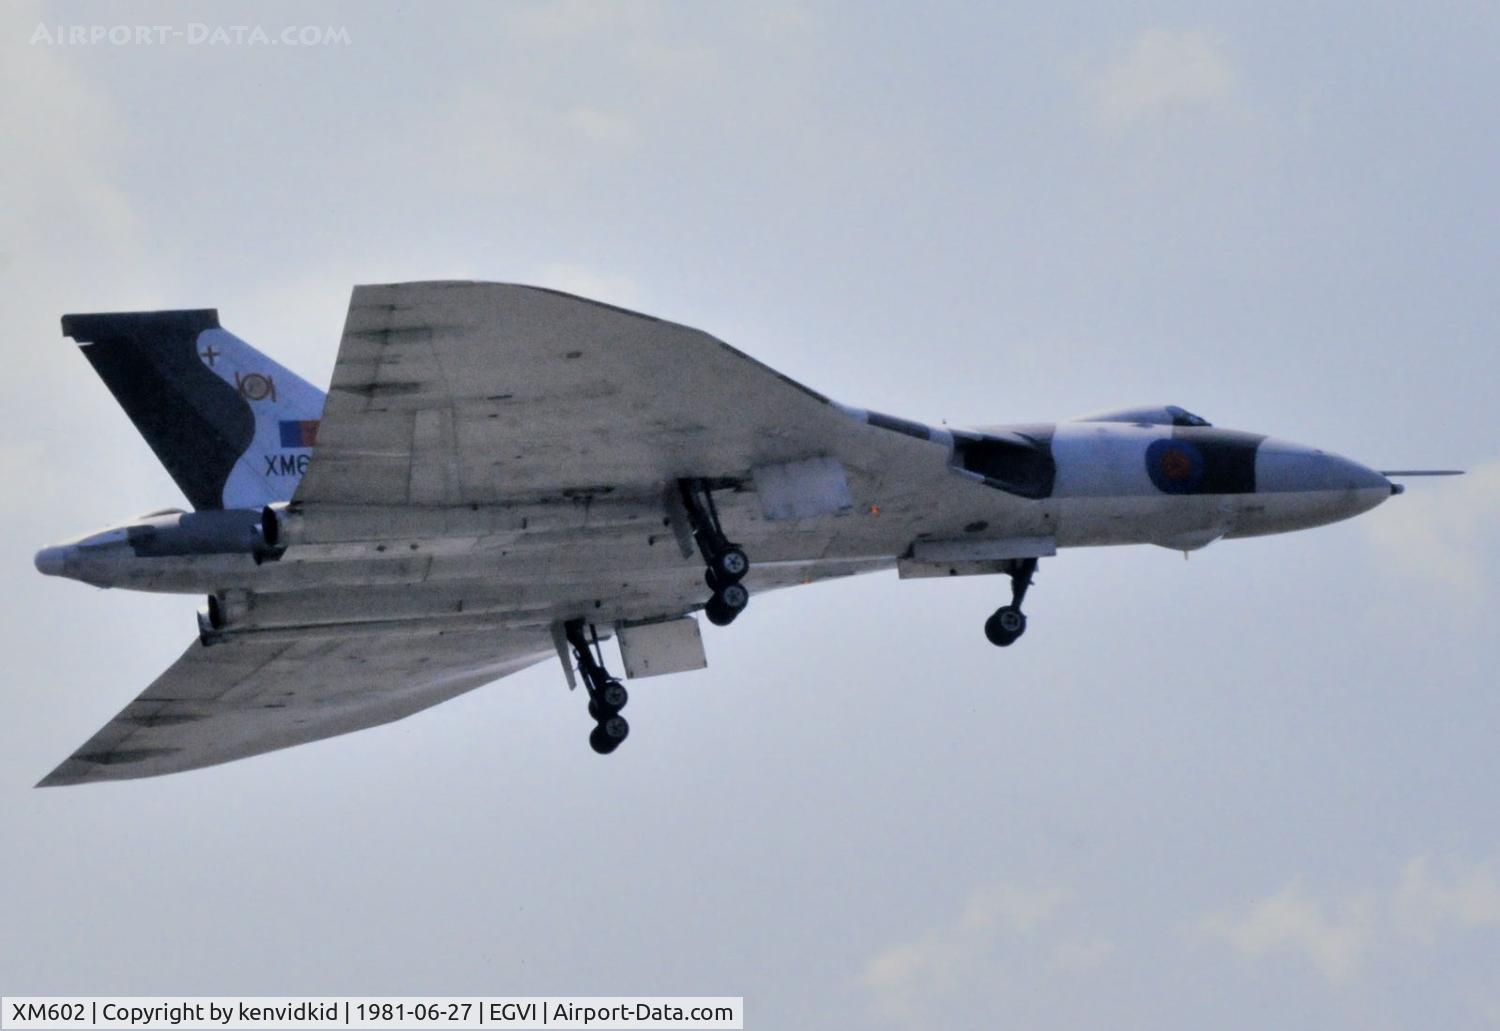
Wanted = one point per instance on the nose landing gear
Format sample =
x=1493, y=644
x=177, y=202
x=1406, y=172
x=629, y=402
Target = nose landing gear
x=726, y=563
x=607, y=696
x=1008, y=621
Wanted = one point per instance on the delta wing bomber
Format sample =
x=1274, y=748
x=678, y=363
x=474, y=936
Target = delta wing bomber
x=500, y=473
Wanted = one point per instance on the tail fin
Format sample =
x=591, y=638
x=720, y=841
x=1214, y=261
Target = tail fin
x=233, y=428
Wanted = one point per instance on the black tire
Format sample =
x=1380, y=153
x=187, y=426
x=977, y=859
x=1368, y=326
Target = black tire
x=616, y=728
x=599, y=713
x=1005, y=625
x=733, y=597
x=730, y=565
x=613, y=695
x=601, y=742
x=717, y=614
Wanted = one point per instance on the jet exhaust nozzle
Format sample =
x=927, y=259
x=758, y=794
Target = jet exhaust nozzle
x=218, y=614
x=281, y=526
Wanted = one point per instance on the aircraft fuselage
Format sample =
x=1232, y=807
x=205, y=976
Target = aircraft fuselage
x=1071, y=484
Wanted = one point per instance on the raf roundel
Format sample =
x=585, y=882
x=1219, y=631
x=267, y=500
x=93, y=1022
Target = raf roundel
x=1175, y=466
x=255, y=386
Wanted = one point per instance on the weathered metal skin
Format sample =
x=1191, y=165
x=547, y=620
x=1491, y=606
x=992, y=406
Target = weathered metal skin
x=1079, y=483
x=496, y=469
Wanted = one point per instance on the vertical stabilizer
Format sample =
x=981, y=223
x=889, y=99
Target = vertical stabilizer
x=232, y=427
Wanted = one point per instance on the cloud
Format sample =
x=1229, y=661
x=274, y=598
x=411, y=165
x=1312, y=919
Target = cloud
x=1426, y=904
x=1082, y=954
x=947, y=958
x=1337, y=935
x=1445, y=533
x=68, y=231
x=907, y=982
x=26, y=462
x=1161, y=72
x=495, y=137
x=585, y=282
x=1023, y=946
x=1333, y=938
x=1016, y=909
x=61, y=135
x=565, y=19
x=601, y=126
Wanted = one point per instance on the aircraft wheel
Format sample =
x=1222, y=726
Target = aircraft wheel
x=717, y=614
x=726, y=604
x=730, y=565
x=614, y=695
x=606, y=737
x=1005, y=625
x=733, y=597
x=600, y=742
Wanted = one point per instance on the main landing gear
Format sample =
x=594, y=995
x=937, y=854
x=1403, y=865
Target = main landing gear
x=725, y=563
x=607, y=696
x=1008, y=621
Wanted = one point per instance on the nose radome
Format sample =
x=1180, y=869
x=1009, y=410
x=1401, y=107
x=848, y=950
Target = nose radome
x=1340, y=473
x=50, y=561
x=1295, y=468
x=1361, y=477
x=1284, y=466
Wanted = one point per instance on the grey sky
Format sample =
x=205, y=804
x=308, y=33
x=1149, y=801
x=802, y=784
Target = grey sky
x=1254, y=789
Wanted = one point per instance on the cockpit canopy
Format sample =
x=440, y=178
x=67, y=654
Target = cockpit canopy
x=1162, y=415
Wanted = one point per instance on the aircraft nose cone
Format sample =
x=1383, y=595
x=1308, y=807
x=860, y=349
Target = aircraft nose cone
x=1304, y=486
x=50, y=561
x=1283, y=466
x=1346, y=474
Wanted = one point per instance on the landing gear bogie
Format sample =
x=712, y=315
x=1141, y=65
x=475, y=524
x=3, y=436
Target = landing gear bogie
x=607, y=696
x=725, y=563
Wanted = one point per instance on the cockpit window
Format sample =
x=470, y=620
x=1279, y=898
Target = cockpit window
x=1164, y=415
x=1183, y=417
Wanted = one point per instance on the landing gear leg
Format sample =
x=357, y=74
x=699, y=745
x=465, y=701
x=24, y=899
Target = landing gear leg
x=1008, y=621
x=725, y=563
x=607, y=696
